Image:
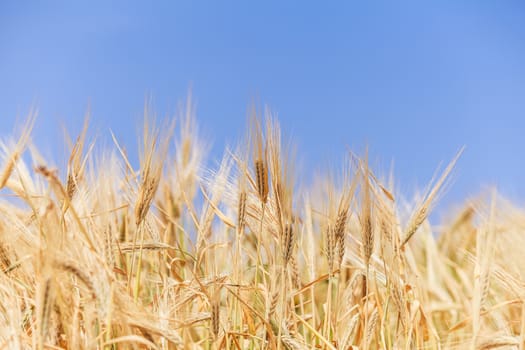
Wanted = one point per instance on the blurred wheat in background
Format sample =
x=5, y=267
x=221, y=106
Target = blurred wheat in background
x=177, y=255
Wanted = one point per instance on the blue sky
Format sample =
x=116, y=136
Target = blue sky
x=414, y=80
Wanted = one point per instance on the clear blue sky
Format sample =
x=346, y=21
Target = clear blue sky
x=415, y=80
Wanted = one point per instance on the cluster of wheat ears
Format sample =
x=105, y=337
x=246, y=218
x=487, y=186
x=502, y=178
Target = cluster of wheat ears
x=175, y=255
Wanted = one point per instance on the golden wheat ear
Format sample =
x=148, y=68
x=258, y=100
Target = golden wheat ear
x=260, y=157
x=19, y=148
x=281, y=170
x=76, y=164
x=422, y=212
x=153, y=154
x=367, y=232
x=343, y=215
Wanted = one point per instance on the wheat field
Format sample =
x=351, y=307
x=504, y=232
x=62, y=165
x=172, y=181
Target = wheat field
x=175, y=254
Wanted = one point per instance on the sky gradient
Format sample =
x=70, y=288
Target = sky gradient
x=413, y=80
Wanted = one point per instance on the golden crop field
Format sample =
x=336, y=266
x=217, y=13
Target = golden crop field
x=176, y=254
